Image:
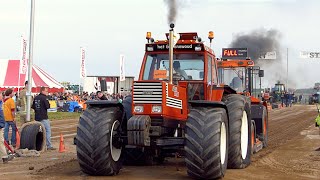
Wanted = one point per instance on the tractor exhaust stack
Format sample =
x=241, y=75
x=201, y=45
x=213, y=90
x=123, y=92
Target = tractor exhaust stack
x=171, y=44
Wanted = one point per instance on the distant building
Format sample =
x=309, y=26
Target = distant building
x=109, y=84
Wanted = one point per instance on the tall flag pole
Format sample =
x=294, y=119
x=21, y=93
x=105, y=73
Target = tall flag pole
x=30, y=61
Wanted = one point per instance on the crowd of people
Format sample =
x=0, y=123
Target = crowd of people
x=84, y=96
x=8, y=109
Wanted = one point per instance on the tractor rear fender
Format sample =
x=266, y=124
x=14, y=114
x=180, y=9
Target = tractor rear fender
x=257, y=115
x=105, y=104
x=204, y=103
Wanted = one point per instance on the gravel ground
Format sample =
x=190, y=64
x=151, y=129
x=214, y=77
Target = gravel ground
x=292, y=154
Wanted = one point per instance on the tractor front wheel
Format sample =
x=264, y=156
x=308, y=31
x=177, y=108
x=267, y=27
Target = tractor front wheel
x=99, y=146
x=239, y=111
x=206, y=145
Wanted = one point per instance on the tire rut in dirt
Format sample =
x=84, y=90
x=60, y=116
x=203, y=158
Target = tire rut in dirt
x=93, y=141
x=202, y=148
x=286, y=129
x=237, y=105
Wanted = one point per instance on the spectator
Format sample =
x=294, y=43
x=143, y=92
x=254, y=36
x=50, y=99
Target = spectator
x=41, y=105
x=101, y=96
x=23, y=102
x=9, y=116
x=3, y=152
x=300, y=98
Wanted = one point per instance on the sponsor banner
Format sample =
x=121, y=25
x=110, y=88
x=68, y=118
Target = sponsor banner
x=177, y=47
x=269, y=55
x=82, y=63
x=309, y=54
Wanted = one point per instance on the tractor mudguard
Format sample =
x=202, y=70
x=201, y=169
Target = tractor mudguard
x=107, y=103
x=204, y=103
x=256, y=111
x=102, y=103
x=257, y=115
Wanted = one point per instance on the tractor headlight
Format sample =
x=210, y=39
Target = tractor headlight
x=138, y=109
x=156, y=109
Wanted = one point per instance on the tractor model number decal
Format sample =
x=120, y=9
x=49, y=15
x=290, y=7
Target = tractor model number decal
x=175, y=91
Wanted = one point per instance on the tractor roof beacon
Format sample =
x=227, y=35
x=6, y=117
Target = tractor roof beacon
x=178, y=105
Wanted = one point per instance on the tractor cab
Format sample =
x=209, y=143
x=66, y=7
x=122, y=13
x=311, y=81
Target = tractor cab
x=241, y=75
x=193, y=67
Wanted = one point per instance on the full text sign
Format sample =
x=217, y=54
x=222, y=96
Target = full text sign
x=234, y=53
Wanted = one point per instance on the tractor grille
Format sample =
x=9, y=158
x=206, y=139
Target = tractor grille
x=147, y=92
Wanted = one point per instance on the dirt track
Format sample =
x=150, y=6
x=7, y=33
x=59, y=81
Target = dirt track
x=291, y=154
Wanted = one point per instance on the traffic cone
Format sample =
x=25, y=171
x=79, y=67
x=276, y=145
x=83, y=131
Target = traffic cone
x=62, y=148
x=17, y=139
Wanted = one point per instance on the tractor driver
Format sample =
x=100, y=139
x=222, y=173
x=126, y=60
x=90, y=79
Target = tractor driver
x=176, y=67
x=236, y=82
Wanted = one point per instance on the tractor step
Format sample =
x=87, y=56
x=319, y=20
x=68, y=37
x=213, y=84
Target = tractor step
x=258, y=146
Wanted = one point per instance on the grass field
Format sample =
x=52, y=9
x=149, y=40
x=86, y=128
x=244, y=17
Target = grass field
x=63, y=115
x=56, y=116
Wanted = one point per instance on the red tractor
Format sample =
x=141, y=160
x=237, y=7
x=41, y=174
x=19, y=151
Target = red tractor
x=179, y=106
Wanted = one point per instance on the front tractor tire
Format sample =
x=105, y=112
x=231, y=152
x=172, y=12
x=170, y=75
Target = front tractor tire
x=99, y=147
x=239, y=112
x=206, y=144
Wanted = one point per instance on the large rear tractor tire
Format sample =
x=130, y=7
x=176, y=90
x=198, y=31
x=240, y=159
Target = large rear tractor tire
x=206, y=145
x=99, y=146
x=239, y=112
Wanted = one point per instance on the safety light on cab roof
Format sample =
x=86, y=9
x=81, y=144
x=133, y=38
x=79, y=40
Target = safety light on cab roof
x=148, y=36
x=211, y=36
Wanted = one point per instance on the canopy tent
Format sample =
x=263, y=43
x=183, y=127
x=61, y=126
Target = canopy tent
x=9, y=77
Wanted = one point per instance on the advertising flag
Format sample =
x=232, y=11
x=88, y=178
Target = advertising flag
x=82, y=63
x=23, y=62
x=122, y=72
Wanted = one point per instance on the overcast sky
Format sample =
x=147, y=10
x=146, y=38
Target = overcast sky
x=108, y=28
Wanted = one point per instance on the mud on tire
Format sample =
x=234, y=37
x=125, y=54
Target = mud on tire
x=206, y=153
x=239, y=147
x=94, y=149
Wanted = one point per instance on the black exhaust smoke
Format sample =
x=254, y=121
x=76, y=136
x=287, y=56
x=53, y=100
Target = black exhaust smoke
x=172, y=10
x=258, y=43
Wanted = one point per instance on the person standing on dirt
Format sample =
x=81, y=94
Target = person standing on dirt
x=41, y=105
x=3, y=152
x=23, y=102
x=9, y=116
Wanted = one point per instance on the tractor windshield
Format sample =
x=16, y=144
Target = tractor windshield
x=279, y=88
x=234, y=77
x=185, y=66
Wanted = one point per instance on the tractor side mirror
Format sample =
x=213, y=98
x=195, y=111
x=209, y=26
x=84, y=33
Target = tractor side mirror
x=261, y=73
